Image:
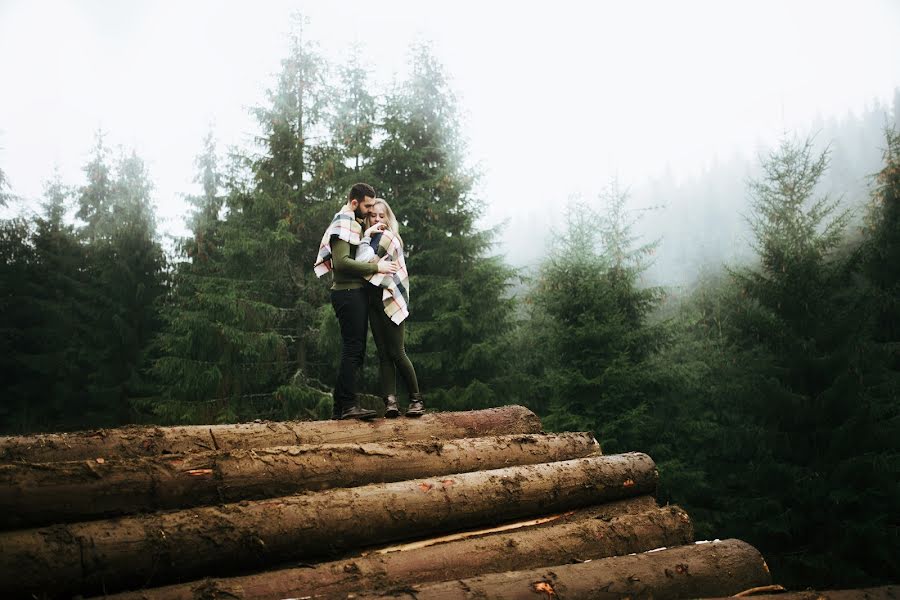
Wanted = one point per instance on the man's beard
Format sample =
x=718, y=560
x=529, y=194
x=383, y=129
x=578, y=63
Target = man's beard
x=360, y=214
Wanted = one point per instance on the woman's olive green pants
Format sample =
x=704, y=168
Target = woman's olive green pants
x=392, y=357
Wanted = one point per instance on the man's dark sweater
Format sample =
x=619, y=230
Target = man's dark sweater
x=347, y=272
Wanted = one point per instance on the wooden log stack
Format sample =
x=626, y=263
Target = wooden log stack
x=480, y=504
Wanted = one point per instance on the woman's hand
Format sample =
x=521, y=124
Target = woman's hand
x=374, y=229
x=386, y=265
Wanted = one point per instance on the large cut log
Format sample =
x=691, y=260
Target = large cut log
x=115, y=554
x=695, y=571
x=42, y=493
x=130, y=442
x=576, y=537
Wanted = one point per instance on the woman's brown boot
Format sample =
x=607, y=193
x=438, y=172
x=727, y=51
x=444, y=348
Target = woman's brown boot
x=416, y=406
x=391, y=410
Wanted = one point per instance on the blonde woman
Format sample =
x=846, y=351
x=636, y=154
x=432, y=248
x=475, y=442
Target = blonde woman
x=388, y=335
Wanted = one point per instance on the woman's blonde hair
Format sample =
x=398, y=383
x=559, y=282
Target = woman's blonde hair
x=392, y=223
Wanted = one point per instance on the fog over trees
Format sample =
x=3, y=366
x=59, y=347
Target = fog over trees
x=740, y=325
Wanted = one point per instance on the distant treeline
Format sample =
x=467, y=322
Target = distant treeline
x=715, y=202
x=767, y=392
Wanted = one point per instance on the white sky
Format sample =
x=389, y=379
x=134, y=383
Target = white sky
x=556, y=96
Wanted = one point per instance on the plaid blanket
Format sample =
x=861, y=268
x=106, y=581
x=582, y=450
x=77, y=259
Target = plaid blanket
x=395, y=294
x=345, y=227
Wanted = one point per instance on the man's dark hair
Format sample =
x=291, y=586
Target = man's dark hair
x=360, y=191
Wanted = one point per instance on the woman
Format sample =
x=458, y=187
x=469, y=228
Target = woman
x=388, y=334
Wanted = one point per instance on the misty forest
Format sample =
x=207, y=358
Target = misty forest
x=755, y=357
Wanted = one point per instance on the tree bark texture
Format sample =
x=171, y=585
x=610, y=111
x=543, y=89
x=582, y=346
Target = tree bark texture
x=34, y=494
x=694, y=571
x=115, y=554
x=131, y=442
x=576, y=537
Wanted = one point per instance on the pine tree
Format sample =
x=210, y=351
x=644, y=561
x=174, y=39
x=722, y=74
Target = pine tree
x=64, y=301
x=95, y=198
x=45, y=322
x=216, y=350
x=882, y=261
x=295, y=179
x=799, y=319
x=593, y=319
x=18, y=318
x=353, y=124
x=245, y=306
x=864, y=446
x=461, y=311
x=126, y=266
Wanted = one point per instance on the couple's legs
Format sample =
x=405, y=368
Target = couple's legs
x=351, y=308
x=389, y=340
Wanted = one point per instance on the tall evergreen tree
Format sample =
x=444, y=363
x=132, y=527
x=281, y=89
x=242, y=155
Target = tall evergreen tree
x=798, y=316
x=594, y=319
x=65, y=301
x=353, y=124
x=460, y=307
x=295, y=178
x=46, y=322
x=19, y=316
x=126, y=266
x=882, y=251
x=216, y=351
x=95, y=198
x=245, y=305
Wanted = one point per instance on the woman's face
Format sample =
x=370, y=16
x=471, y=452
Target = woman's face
x=378, y=215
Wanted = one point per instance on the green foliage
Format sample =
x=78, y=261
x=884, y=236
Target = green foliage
x=881, y=264
x=591, y=319
x=461, y=311
x=95, y=198
x=353, y=125
x=126, y=266
x=81, y=303
x=797, y=406
x=240, y=320
x=221, y=350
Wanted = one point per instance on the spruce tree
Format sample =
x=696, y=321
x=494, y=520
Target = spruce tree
x=593, y=318
x=95, y=198
x=45, y=320
x=244, y=311
x=461, y=310
x=882, y=250
x=294, y=184
x=353, y=125
x=216, y=351
x=798, y=317
x=126, y=268
x=19, y=318
x=65, y=302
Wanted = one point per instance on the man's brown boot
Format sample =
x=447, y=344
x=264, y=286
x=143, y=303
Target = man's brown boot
x=416, y=406
x=358, y=412
x=391, y=410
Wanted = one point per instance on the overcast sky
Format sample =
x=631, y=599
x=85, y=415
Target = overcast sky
x=556, y=96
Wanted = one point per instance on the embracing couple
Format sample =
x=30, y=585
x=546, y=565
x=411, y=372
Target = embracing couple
x=363, y=250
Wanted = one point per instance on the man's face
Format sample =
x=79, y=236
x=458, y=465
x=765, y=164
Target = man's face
x=364, y=207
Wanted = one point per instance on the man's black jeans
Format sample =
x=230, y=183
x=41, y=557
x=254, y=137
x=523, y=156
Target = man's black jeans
x=351, y=308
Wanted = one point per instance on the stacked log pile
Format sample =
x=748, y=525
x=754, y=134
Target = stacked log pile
x=479, y=504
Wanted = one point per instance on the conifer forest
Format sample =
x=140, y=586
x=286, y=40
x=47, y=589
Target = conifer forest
x=759, y=365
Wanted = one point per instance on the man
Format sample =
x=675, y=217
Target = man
x=337, y=253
